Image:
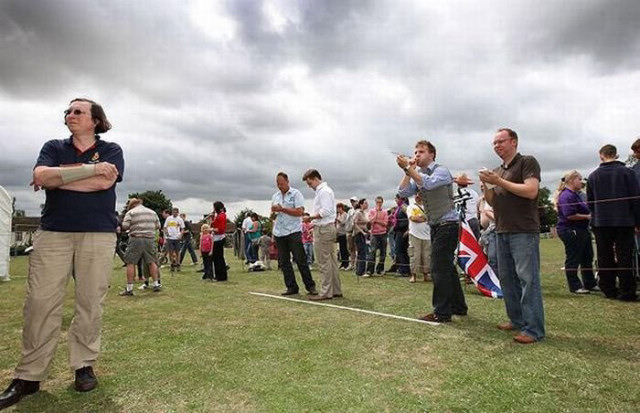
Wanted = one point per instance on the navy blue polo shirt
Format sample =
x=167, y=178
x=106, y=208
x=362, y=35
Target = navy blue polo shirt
x=72, y=211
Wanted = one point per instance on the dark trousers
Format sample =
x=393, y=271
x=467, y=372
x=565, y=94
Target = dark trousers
x=219, y=264
x=292, y=245
x=378, y=242
x=207, y=260
x=402, y=253
x=344, y=251
x=187, y=245
x=448, y=297
x=615, y=259
x=578, y=254
x=361, y=253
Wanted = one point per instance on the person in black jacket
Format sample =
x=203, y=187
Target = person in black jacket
x=401, y=235
x=613, y=195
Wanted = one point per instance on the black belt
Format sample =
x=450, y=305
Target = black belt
x=444, y=224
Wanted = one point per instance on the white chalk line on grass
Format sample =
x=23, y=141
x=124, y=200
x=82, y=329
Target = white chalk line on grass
x=358, y=310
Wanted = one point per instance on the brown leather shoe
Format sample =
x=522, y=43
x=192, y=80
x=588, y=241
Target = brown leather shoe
x=524, y=339
x=319, y=297
x=506, y=326
x=434, y=318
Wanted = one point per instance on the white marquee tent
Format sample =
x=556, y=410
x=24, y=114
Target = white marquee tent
x=6, y=211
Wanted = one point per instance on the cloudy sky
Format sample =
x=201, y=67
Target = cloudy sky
x=209, y=99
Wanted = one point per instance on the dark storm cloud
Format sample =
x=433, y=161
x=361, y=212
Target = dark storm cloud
x=606, y=32
x=209, y=100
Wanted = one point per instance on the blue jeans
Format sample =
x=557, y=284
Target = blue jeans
x=378, y=242
x=250, y=251
x=492, y=250
x=519, y=264
x=187, y=245
x=308, y=250
x=361, y=253
x=392, y=245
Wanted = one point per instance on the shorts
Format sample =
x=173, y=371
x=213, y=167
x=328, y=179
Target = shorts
x=172, y=245
x=140, y=249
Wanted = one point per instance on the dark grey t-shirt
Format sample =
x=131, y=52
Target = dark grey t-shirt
x=514, y=213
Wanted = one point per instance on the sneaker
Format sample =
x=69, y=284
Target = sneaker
x=194, y=263
x=143, y=287
x=85, y=379
x=126, y=293
x=157, y=288
x=581, y=291
x=349, y=268
x=595, y=289
x=366, y=275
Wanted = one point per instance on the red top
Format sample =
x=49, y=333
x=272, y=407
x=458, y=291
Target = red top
x=220, y=223
x=206, y=243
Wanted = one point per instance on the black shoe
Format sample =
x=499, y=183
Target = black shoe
x=460, y=313
x=312, y=292
x=85, y=379
x=202, y=270
x=289, y=292
x=627, y=297
x=16, y=391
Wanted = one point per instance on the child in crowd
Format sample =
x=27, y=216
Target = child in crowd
x=206, y=250
x=265, y=242
x=307, y=237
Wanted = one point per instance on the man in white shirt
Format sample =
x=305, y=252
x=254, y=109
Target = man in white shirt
x=246, y=225
x=323, y=215
x=351, y=245
x=419, y=241
x=173, y=227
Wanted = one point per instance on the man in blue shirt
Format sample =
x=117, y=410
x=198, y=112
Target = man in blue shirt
x=77, y=236
x=287, y=207
x=434, y=184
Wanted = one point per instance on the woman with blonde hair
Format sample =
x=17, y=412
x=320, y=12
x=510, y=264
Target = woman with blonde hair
x=573, y=230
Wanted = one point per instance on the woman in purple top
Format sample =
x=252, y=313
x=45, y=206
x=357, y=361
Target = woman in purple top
x=573, y=230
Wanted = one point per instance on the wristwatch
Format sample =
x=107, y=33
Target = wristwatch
x=406, y=169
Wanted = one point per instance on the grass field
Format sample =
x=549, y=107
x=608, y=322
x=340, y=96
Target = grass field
x=213, y=347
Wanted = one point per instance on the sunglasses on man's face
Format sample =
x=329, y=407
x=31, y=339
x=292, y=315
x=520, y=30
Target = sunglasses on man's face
x=76, y=112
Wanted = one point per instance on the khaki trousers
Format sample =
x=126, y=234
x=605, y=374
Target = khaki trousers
x=55, y=258
x=324, y=244
x=419, y=255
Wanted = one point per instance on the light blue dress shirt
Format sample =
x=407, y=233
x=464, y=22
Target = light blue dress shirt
x=440, y=176
x=286, y=224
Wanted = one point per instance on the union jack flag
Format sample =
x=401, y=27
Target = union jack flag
x=474, y=263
